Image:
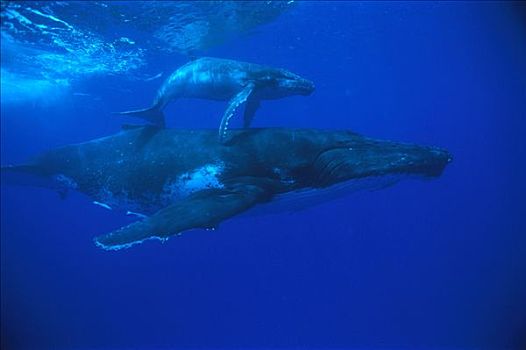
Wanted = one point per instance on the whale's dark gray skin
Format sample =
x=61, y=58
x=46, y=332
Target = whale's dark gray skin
x=222, y=79
x=185, y=179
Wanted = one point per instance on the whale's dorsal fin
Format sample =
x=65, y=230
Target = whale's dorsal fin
x=204, y=209
x=233, y=104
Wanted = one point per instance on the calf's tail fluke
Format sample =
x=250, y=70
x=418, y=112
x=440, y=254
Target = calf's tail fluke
x=153, y=115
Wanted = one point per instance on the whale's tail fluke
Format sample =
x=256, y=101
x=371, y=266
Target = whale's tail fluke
x=153, y=115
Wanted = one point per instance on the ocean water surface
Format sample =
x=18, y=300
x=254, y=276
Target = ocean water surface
x=438, y=264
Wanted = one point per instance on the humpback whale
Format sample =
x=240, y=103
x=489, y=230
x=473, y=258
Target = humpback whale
x=223, y=79
x=184, y=179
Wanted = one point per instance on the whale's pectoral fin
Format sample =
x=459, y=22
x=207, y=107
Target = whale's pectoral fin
x=250, y=110
x=204, y=209
x=234, y=103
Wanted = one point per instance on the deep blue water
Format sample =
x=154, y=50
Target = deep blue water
x=423, y=264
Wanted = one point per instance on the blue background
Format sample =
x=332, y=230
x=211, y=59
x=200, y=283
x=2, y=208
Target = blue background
x=437, y=263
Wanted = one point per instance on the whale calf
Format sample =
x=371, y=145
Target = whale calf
x=223, y=79
x=185, y=179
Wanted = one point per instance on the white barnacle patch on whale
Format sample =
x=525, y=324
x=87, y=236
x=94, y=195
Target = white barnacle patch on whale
x=201, y=178
x=205, y=177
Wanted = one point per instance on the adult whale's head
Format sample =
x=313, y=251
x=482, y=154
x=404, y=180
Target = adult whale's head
x=349, y=157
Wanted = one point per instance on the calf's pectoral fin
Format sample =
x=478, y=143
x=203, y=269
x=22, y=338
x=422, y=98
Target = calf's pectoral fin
x=204, y=209
x=250, y=110
x=233, y=104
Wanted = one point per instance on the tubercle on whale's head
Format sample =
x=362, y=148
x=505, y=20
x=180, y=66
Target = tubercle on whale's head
x=293, y=84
